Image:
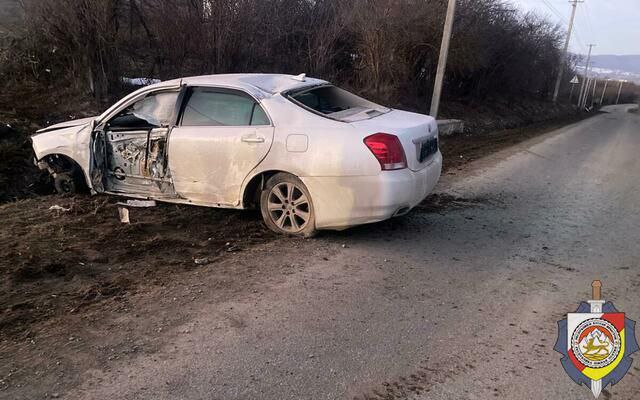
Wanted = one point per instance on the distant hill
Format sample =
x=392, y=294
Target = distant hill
x=614, y=67
x=630, y=63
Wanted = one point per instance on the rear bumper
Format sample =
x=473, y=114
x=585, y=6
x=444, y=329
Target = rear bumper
x=340, y=202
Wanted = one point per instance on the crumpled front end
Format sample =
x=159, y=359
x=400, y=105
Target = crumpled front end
x=60, y=144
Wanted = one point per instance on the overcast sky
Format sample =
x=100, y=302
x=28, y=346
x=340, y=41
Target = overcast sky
x=613, y=25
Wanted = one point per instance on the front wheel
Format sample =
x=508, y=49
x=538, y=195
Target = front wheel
x=66, y=183
x=286, y=206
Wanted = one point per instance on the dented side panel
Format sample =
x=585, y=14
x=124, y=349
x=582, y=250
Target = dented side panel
x=209, y=163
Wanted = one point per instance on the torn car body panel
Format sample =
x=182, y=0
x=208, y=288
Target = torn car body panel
x=135, y=161
x=130, y=144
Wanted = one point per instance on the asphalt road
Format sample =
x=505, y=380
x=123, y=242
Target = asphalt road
x=457, y=303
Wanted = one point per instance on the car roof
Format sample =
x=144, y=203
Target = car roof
x=268, y=84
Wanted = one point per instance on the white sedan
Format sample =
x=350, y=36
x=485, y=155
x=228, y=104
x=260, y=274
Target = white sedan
x=309, y=154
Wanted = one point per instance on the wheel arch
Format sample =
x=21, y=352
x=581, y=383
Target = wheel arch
x=251, y=191
x=57, y=163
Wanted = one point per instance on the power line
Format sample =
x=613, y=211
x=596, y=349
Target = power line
x=558, y=14
x=553, y=10
x=579, y=39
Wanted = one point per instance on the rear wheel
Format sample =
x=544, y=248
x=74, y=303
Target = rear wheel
x=286, y=206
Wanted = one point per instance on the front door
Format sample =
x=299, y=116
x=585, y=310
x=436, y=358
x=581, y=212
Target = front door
x=221, y=136
x=133, y=147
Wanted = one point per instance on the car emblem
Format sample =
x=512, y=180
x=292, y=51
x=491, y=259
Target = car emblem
x=596, y=342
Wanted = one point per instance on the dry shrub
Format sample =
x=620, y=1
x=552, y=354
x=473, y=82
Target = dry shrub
x=387, y=49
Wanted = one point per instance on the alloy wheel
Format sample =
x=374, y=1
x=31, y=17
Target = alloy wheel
x=289, y=207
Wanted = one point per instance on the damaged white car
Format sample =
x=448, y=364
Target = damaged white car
x=308, y=154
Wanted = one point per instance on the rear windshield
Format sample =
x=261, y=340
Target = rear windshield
x=336, y=103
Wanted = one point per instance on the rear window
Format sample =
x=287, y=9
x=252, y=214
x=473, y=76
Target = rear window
x=336, y=103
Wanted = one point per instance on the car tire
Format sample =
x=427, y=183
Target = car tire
x=66, y=183
x=286, y=206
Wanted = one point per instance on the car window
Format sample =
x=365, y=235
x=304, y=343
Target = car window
x=207, y=107
x=336, y=103
x=259, y=116
x=155, y=110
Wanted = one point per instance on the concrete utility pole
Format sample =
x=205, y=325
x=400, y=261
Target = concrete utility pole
x=586, y=81
x=603, y=91
x=593, y=95
x=585, y=94
x=563, y=59
x=619, y=91
x=586, y=75
x=587, y=89
x=442, y=61
x=593, y=80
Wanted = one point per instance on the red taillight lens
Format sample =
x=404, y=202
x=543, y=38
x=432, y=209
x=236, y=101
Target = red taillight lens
x=387, y=149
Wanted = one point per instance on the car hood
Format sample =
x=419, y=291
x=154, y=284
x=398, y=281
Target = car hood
x=67, y=124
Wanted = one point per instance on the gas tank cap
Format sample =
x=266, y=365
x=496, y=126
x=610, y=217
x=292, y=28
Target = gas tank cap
x=297, y=143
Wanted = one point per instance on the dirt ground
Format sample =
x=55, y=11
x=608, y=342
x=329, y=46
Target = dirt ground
x=66, y=273
x=73, y=273
x=57, y=262
x=69, y=276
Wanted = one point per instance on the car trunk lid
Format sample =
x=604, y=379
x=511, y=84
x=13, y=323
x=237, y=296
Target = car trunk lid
x=418, y=134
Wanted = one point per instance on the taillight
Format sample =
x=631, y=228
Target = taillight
x=387, y=149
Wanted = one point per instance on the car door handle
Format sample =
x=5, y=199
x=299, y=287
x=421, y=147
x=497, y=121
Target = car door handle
x=253, y=139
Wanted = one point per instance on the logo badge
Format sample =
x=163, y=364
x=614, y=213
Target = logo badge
x=596, y=342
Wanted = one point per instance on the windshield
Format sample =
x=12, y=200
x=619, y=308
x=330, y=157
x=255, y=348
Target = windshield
x=336, y=103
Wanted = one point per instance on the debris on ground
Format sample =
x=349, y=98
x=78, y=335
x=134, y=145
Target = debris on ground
x=123, y=213
x=56, y=207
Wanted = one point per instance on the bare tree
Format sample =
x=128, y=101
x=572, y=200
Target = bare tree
x=385, y=48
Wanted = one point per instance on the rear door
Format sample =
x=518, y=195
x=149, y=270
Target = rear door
x=222, y=135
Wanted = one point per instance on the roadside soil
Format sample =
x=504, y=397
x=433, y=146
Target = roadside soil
x=62, y=255
x=80, y=289
x=461, y=149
